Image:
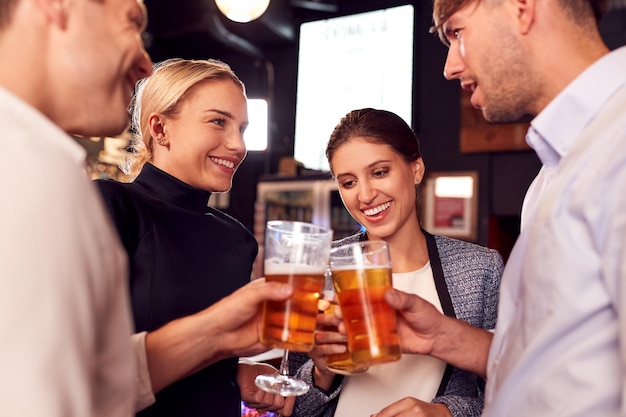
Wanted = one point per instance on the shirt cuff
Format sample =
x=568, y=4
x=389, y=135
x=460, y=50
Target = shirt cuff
x=144, y=395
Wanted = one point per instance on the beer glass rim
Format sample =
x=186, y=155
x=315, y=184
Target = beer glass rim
x=376, y=245
x=298, y=227
x=345, y=255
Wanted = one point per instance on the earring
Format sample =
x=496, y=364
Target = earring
x=159, y=140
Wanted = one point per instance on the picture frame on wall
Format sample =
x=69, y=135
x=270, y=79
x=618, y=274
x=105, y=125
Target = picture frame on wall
x=449, y=204
x=477, y=135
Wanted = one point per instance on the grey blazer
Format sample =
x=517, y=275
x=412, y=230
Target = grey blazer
x=468, y=291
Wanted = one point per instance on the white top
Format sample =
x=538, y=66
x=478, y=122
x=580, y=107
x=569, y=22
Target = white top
x=559, y=344
x=412, y=376
x=64, y=308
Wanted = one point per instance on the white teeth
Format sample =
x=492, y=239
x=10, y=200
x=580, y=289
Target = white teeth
x=374, y=211
x=224, y=162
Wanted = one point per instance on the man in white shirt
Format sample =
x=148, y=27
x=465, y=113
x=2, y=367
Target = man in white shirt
x=71, y=66
x=558, y=347
x=66, y=67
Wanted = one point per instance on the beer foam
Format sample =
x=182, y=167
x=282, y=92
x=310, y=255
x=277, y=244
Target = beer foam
x=354, y=267
x=275, y=266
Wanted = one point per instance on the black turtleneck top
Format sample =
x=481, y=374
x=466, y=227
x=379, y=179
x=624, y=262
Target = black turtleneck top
x=183, y=256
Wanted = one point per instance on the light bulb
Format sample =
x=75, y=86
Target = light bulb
x=242, y=11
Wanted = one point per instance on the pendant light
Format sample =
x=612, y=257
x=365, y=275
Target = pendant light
x=242, y=11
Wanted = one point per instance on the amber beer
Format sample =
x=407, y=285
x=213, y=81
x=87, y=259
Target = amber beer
x=295, y=253
x=370, y=323
x=291, y=324
x=342, y=363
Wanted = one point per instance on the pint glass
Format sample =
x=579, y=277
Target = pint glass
x=361, y=275
x=295, y=253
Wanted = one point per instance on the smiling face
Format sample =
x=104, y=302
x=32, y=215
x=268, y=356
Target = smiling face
x=96, y=70
x=202, y=144
x=487, y=56
x=377, y=186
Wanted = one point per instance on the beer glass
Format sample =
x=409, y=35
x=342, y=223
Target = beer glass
x=362, y=274
x=339, y=363
x=296, y=253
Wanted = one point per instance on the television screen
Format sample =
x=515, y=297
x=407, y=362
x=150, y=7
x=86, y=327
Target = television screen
x=346, y=63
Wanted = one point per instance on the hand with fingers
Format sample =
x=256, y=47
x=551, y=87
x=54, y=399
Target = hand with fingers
x=412, y=407
x=257, y=398
x=328, y=341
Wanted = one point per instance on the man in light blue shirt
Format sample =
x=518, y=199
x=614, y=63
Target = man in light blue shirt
x=558, y=348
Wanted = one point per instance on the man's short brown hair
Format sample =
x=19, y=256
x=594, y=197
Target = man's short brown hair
x=578, y=10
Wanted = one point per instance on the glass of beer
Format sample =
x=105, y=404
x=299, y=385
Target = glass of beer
x=295, y=253
x=361, y=275
x=339, y=363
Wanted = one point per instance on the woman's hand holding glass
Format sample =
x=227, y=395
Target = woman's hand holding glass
x=328, y=341
x=257, y=398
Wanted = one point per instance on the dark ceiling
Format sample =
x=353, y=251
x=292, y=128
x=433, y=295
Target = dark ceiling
x=197, y=29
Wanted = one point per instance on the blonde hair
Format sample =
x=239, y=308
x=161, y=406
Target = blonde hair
x=161, y=93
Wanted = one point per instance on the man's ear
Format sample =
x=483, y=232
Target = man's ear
x=524, y=14
x=56, y=10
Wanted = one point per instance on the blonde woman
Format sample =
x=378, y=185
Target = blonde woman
x=189, y=118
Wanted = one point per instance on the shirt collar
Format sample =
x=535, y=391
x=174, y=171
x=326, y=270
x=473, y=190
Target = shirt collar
x=40, y=130
x=553, y=132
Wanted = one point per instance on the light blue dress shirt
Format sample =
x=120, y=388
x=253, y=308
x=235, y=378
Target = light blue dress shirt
x=559, y=347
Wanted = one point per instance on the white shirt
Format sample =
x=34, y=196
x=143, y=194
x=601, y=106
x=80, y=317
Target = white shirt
x=559, y=344
x=415, y=376
x=65, y=321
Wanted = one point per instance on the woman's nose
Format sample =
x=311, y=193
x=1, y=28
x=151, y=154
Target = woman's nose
x=366, y=192
x=236, y=143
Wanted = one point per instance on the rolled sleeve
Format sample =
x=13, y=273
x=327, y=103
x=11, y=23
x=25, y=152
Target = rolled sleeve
x=144, y=395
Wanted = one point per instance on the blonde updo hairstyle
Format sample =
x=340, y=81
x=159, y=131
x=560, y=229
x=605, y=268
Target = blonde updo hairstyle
x=161, y=93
